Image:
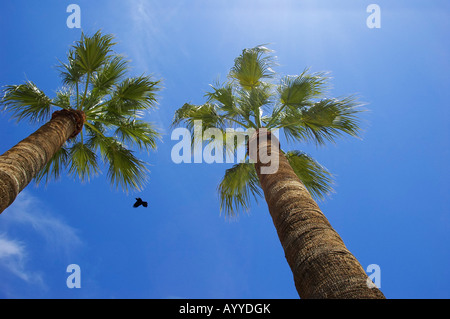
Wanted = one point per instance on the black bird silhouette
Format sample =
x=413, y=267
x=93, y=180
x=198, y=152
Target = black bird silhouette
x=139, y=202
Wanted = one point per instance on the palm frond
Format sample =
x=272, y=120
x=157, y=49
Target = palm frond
x=135, y=93
x=293, y=127
x=252, y=66
x=110, y=73
x=124, y=169
x=330, y=118
x=71, y=72
x=297, y=91
x=139, y=133
x=224, y=96
x=208, y=113
x=199, y=119
x=27, y=101
x=83, y=161
x=316, y=178
x=237, y=187
x=53, y=169
x=91, y=52
x=62, y=98
x=226, y=100
x=96, y=139
x=320, y=122
x=252, y=102
x=92, y=99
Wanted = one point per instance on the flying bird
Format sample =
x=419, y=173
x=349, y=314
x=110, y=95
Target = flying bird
x=139, y=202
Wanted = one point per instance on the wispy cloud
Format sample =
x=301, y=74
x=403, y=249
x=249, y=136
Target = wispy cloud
x=152, y=23
x=13, y=259
x=28, y=210
x=150, y=44
x=28, y=217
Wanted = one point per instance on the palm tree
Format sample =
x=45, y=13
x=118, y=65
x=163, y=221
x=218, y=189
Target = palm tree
x=99, y=111
x=321, y=264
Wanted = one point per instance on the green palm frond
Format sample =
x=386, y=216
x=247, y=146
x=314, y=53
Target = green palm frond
x=252, y=102
x=239, y=184
x=322, y=121
x=226, y=101
x=297, y=91
x=27, y=101
x=224, y=96
x=96, y=139
x=62, y=98
x=92, y=52
x=92, y=100
x=83, y=161
x=139, y=90
x=293, y=126
x=137, y=132
x=316, y=178
x=207, y=117
x=53, y=169
x=330, y=118
x=133, y=94
x=111, y=72
x=208, y=113
x=124, y=169
x=71, y=72
x=251, y=66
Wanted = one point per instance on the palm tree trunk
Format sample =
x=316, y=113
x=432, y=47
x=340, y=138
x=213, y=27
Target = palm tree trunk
x=321, y=264
x=20, y=164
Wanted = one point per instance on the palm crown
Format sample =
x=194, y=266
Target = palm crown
x=94, y=82
x=296, y=104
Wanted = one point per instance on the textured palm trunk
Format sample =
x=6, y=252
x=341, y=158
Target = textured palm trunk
x=20, y=164
x=321, y=264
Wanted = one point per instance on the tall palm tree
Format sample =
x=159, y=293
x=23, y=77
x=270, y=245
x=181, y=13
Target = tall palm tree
x=100, y=112
x=321, y=264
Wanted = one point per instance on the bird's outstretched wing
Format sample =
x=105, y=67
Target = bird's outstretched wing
x=138, y=202
x=144, y=204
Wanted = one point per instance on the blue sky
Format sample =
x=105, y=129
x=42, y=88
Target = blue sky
x=391, y=203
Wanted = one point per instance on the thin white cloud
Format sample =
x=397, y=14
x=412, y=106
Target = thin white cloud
x=150, y=24
x=152, y=30
x=25, y=214
x=149, y=44
x=9, y=248
x=30, y=211
x=12, y=258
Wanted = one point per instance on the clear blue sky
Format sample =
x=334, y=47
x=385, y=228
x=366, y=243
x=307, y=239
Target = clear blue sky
x=391, y=204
